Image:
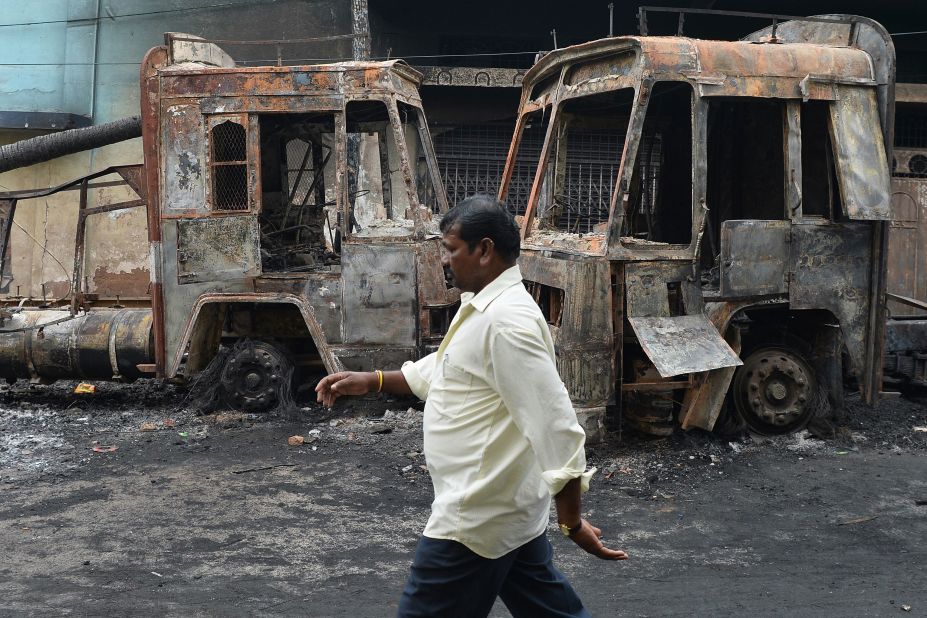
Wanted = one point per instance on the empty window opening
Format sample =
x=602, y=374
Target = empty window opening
x=910, y=125
x=229, y=163
x=299, y=217
x=415, y=132
x=530, y=142
x=584, y=158
x=439, y=319
x=375, y=189
x=549, y=299
x=660, y=204
x=820, y=193
x=746, y=165
x=675, y=298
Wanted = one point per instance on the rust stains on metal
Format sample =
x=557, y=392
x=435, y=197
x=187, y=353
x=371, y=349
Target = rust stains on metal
x=697, y=213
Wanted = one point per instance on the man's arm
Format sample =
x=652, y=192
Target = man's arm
x=569, y=505
x=526, y=378
x=333, y=386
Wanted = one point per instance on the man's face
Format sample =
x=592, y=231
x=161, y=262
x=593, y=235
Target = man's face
x=464, y=264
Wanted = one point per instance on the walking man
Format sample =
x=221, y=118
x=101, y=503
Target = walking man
x=501, y=438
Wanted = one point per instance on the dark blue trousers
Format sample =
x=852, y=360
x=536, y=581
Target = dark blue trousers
x=448, y=580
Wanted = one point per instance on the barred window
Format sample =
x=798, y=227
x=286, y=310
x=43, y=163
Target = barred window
x=229, y=166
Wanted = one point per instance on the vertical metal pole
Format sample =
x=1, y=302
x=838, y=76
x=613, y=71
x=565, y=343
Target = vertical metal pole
x=553, y=33
x=360, y=22
x=611, y=19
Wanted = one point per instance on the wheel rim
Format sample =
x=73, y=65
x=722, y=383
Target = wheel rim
x=775, y=390
x=254, y=375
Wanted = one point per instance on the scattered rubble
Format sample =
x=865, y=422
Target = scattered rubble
x=44, y=430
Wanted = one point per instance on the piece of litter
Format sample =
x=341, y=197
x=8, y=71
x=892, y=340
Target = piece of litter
x=407, y=468
x=148, y=427
x=168, y=422
x=295, y=440
x=182, y=434
x=906, y=608
x=314, y=432
x=104, y=449
x=920, y=429
x=85, y=389
x=856, y=520
x=156, y=574
x=842, y=452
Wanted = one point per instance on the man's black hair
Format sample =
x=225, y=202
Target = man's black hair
x=483, y=216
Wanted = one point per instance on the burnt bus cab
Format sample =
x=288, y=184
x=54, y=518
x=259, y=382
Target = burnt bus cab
x=706, y=221
x=290, y=217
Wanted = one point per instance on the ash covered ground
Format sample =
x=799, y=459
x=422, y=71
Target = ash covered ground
x=126, y=501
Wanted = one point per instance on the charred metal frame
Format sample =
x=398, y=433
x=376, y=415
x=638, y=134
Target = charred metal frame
x=131, y=176
x=375, y=303
x=816, y=66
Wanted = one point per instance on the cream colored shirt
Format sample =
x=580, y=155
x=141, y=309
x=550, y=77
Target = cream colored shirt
x=501, y=436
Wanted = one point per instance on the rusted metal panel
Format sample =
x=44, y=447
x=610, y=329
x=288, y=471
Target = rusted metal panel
x=189, y=48
x=584, y=338
x=647, y=289
x=703, y=403
x=151, y=144
x=380, y=301
x=754, y=258
x=218, y=248
x=344, y=78
x=184, y=164
x=683, y=344
x=363, y=358
x=862, y=164
x=725, y=68
x=831, y=269
x=325, y=296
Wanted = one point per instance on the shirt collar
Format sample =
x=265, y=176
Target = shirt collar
x=493, y=289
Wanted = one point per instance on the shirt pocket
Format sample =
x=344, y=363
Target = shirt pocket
x=449, y=394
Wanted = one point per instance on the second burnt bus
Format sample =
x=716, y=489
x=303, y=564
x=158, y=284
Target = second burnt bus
x=706, y=222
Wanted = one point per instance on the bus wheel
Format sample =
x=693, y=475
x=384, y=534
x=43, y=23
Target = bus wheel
x=257, y=377
x=775, y=391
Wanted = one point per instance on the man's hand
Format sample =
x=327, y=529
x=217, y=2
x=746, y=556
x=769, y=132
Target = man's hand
x=333, y=386
x=588, y=537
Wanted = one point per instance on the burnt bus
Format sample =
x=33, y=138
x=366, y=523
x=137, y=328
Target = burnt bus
x=291, y=224
x=706, y=228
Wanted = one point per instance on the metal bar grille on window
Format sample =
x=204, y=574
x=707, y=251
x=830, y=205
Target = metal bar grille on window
x=229, y=167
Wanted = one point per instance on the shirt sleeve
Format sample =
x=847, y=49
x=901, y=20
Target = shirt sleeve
x=526, y=378
x=418, y=374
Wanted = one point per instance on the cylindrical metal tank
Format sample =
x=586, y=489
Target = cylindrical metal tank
x=102, y=344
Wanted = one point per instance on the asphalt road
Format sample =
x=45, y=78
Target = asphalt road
x=219, y=516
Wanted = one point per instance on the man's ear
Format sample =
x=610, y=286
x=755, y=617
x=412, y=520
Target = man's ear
x=489, y=248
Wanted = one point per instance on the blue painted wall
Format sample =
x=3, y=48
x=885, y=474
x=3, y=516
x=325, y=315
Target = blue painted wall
x=80, y=64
